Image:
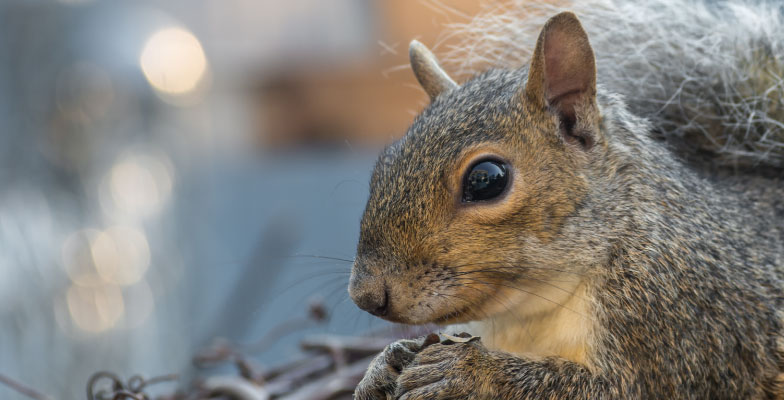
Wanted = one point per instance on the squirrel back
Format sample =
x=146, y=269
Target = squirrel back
x=708, y=75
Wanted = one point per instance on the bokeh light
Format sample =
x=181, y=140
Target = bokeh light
x=173, y=61
x=95, y=309
x=138, y=185
x=121, y=255
x=151, y=153
x=98, y=264
x=77, y=258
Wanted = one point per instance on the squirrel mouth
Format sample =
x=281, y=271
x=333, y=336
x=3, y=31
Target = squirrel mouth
x=464, y=314
x=453, y=316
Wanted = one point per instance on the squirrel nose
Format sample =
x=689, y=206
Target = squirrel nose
x=374, y=303
x=372, y=296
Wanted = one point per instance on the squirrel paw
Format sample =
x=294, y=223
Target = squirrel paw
x=444, y=371
x=379, y=382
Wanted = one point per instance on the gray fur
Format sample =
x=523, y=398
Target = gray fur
x=684, y=267
x=708, y=75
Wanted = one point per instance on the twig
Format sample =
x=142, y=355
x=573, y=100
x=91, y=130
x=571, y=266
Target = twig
x=317, y=314
x=331, y=369
x=327, y=387
x=360, y=346
x=24, y=389
x=298, y=373
x=152, y=381
x=281, y=330
x=132, y=390
x=235, y=387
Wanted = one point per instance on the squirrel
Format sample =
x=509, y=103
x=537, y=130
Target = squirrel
x=597, y=251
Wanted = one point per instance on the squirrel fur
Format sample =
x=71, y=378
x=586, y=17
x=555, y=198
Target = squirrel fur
x=613, y=266
x=709, y=76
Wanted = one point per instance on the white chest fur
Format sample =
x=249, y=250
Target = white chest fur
x=551, y=323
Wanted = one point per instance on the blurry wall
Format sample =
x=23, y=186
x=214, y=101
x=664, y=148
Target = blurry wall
x=366, y=96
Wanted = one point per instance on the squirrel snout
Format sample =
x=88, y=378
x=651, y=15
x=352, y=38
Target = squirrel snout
x=374, y=303
x=370, y=295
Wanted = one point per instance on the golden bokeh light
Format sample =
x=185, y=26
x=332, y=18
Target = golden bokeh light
x=95, y=309
x=77, y=258
x=121, y=255
x=138, y=185
x=173, y=61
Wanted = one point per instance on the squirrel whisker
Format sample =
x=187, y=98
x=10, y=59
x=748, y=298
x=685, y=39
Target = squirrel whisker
x=527, y=292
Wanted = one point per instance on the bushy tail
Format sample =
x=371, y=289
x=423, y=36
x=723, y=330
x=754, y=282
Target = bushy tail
x=709, y=76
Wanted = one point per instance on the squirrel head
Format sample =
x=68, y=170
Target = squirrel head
x=471, y=212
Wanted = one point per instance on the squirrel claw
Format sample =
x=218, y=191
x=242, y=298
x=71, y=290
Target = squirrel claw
x=381, y=376
x=442, y=371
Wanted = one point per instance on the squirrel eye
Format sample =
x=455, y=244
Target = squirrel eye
x=485, y=180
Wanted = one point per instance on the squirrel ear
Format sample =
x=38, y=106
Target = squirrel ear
x=562, y=75
x=429, y=74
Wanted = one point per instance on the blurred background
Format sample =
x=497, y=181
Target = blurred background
x=176, y=171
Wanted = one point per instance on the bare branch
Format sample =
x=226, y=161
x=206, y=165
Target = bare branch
x=24, y=389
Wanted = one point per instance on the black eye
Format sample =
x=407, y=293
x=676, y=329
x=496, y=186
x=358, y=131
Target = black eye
x=485, y=180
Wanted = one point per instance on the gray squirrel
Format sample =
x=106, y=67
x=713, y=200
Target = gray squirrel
x=606, y=212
